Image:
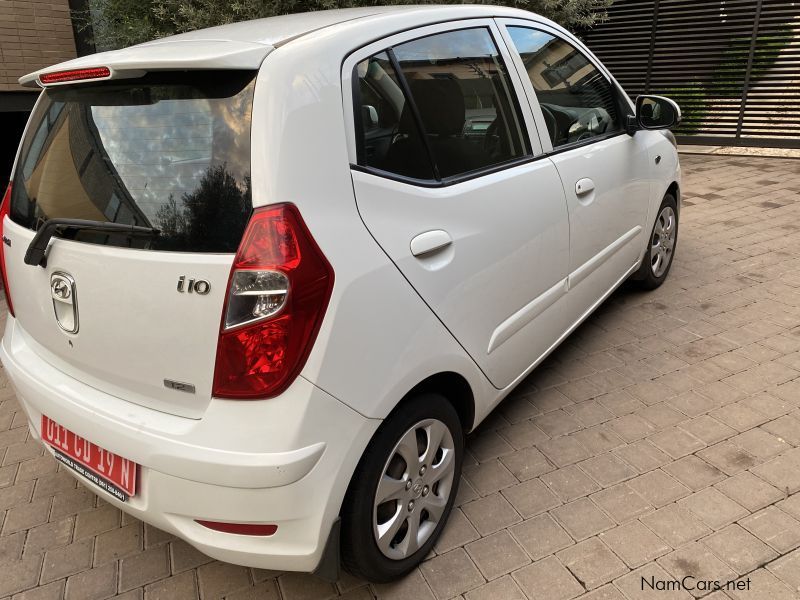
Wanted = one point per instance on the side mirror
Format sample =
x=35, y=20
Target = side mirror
x=657, y=112
x=369, y=116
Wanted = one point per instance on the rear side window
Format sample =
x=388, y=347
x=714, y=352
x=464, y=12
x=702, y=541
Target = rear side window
x=577, y=101
x=169, y=151
x=390, y=138
x=438, y=107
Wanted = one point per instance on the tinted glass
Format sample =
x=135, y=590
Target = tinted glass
x=390, y=138
x=169, y=151
x=465, y=101
x=578, y=102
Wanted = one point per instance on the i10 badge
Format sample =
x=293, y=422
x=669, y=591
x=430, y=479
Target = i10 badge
x=196, y=286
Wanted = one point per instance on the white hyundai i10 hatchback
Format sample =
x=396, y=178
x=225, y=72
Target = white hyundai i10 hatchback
x=263, y=278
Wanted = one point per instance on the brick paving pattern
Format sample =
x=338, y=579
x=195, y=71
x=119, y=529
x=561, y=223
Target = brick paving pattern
x=662, y=439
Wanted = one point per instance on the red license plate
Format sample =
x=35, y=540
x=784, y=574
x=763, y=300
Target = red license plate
x=108, y=471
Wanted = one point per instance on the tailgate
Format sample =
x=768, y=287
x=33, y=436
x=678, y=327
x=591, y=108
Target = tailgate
x=135, y=316
x=135, y=330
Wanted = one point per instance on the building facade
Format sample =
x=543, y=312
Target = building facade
x=33, y=34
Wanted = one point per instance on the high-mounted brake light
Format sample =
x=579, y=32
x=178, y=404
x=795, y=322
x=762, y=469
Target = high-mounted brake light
x=75, y=75
x=278, y=291
x=5, y=206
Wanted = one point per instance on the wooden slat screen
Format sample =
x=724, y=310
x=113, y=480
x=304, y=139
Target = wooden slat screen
x=732, y=65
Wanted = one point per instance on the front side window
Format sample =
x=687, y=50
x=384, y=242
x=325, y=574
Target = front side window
x=577, y=101
x=461, y=117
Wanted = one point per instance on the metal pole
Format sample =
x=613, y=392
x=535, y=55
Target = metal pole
x=653, y=31
x=746, y=83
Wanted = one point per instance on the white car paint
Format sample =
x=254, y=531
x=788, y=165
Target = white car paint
x=515, y=280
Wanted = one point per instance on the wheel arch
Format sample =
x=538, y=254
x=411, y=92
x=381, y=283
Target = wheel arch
x=455, y=388
x=674, y=188
x=458, y=393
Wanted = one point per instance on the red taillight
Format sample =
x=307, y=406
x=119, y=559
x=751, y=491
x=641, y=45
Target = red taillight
x=75, y=75
x=240, y=528
x=278, y=291
x=4, y=208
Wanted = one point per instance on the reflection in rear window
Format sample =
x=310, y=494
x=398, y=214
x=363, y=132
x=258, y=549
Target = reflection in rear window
x=170, y=151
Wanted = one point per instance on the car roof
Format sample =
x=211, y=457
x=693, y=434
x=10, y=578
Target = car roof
x=274, y=31
x=244, y=45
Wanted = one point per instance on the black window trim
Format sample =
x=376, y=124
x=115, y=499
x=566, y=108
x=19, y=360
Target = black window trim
x=500, y=22
x=438, y=181
x=469, y=175
x=446, y=181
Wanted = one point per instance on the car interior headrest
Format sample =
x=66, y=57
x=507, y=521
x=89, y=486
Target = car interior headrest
x=441, y=105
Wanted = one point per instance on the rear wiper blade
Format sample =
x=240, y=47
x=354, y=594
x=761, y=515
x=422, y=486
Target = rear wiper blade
x=37, y=250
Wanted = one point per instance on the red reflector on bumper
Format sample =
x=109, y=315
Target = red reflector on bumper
x=240, y=528
x=75, y=75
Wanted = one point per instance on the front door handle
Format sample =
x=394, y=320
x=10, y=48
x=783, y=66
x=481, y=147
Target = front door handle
x=430, y=241
x=584, y=186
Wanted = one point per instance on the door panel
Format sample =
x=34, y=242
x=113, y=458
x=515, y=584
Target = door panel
x=604, y=170
x=495, y=284
x=617, y=205
x=487, y=251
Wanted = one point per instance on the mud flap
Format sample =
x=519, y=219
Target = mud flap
x=329, y=566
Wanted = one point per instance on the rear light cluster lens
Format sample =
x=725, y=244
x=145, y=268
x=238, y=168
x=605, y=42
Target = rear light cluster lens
x=255, y=295
x=75, y=75
x=5, y=206
x=278, y=291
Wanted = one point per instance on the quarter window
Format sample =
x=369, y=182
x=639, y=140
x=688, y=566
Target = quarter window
x=462, y=116
x=577, y=101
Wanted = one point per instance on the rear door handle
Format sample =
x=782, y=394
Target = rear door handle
x=430, y=241
x=584, y=186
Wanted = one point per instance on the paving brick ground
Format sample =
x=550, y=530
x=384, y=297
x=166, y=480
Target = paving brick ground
x=661, y=440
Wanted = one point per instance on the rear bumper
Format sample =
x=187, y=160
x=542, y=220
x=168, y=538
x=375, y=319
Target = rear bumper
x=285, y=461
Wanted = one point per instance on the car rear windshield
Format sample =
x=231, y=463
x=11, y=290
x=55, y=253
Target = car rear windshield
x=169, y=151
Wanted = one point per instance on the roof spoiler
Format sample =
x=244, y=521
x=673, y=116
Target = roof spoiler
x=152, y=56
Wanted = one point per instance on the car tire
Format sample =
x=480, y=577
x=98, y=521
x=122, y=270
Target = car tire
x=415, y=494
x=661, y=246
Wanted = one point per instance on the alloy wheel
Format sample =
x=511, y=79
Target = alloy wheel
x=663, y=242
x=414, y=489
